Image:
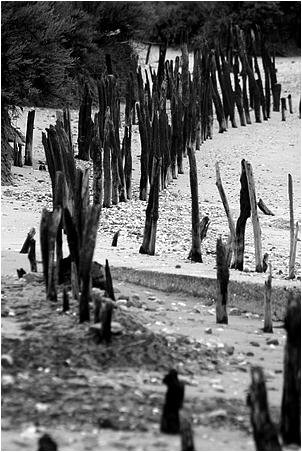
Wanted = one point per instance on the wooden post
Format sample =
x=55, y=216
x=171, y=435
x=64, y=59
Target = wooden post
x=67, y=125
x=85, y=125
x=53, y=225
x=65, y=300
x=32, y=256
x=292, y=259
x=128, y=160
x=97, y=158
x=291, y=220
x=26, y=244
x=276, y=91
x=291, y=398
x=268, y=324
x=186, y=432
x=262, y=206
x=223, y=275
x=264, y=431
x=44, y=243
x=196, y=243
x=255, y=219
x=283, y=108
x=107, y=202
x=226, y=206
x=74, y=281
x=115, y=238
x=290, y=104
x=109, y=285
x=29, y=138
x=173, y=403
x=245, y=213
x=86, y=254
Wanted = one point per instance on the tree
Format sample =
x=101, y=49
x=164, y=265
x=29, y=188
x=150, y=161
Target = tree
x=34, y=61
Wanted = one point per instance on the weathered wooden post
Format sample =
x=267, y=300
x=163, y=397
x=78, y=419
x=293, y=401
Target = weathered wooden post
x=186, y=432
x=245, y=213
x=173, y=403
x=96, y=153
x=226, y=207
x=268, y=324
x=292, y=257
x=255, y=219
x=128, y=160
x=196, y=243
x=290, y=104
x=264, y=431
x=283, y=108
x=107, y=201
x=85, y=125
x=29, y=248
x=86, y=254
x=29, y=138
x=291, y=398
x=276, y=91
x=223, y=275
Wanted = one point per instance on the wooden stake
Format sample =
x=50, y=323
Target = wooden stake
x=65, y=300
x=291, y=398
x=268, y=324
x=255, y=219
x=290, y=104
x=74, y=281
x=225, y=205
x=115, y=238
x=264, y=208
x=292, y=260
x=186, y=432
x=26, y=244
x=29, y=138
x=265, y=434
x=223, y=275
x=283, y=108
x=291, y=220
x=173, y=403
x=245, y=212
x=53, y=225
x=276, y=91
x=109, y=285
x=196, y=243
x=32, y=256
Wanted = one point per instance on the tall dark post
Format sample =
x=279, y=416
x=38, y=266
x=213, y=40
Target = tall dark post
x=29, y=138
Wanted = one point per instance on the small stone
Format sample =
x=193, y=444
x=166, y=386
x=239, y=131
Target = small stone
x=152, y=298
x=254, y=344
x=229, y=349
x=250, y=354
x=217, y=413
x=134, y=303
x=121, y=302
x=7, y=380
x=41, y=407
x=116, y=328
x=177, y=266
x=6, y=360
x=272, y=342
x=234, y=311
x=135, y=297
x=208, y=330
x=218, y=388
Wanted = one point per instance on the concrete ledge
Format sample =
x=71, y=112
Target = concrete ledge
x=246, y=295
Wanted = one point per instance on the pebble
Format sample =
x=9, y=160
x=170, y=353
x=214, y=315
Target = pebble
x=229, y=349
x=254, y=344
x=7, y=380
x=217, y=413
x=6, y=360
x=272, y=342
x=234, y=311
x=208, y=330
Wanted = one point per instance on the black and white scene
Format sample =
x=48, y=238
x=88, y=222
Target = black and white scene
x=151, y=225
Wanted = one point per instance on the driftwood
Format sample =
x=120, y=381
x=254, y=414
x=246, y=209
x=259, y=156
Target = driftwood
x=255, y=219
x=264, y=431
x=173, y=403
x=268, y=324
x=291, y=398
x=264, y=208
x=29, y=138
x=223, y=275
